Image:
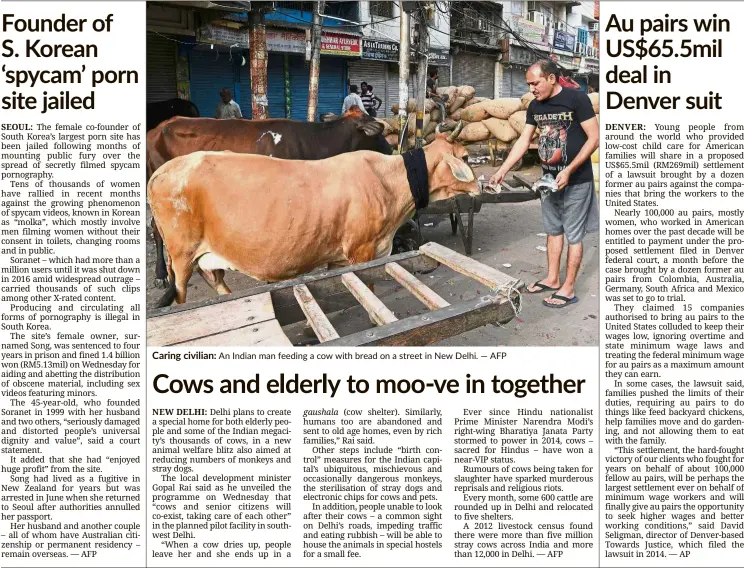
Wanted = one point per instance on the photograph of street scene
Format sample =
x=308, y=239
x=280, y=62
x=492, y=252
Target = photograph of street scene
x=372, y=173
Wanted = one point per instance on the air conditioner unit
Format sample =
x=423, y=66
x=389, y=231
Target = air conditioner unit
x=594, y=27
x=537, y=17
x=560, y=25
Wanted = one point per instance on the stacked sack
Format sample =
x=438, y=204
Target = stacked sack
x=594, y=97
x=458, y=97
x=501, y=120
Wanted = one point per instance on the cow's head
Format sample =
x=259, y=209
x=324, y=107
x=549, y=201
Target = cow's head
x=363, y=122
x=452, y=175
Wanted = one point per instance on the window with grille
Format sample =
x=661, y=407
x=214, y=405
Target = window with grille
x=381, y=9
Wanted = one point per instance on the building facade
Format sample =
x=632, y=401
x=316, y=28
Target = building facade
x=378, y=65
x=193, y=52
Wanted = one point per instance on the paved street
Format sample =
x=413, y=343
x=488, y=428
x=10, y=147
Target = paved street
x=503, y=234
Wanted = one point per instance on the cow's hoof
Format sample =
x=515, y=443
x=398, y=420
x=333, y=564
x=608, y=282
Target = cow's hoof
x=161, y=283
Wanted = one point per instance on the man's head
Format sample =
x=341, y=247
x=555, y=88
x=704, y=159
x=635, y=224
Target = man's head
x=353, y=89
x=542, y=78
x=433, y=73
x=369, y=88
x=225, y=95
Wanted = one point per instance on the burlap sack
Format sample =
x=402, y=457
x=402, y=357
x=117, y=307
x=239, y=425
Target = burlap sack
x=594, y=97
x=466, y=91
x=503, y=108
x=517, y=120
x=429, y=105
x=430, y=128
x=457, y=115
x=501, y=129
x=386, y=126
x=456, y=104
x=526, y=100
x=451, y=92
x=475, y=132
x=393, y=123
x=476, y=113
x=474, y=101
x=430, y=137
x=436, y=114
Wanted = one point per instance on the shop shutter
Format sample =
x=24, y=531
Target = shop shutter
x=332, y=86
x=513, y=82
x=476, y=71
x=392, y=88
x=444, y=76
x=275, y=86
x=209, y=74
x=373, y=72
x=161, y=68
x=299, y=82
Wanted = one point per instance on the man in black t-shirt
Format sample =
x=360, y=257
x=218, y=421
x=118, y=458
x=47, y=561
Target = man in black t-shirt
x=569, y=134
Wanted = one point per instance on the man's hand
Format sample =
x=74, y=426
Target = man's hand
x=562, y=179
x=498, y=177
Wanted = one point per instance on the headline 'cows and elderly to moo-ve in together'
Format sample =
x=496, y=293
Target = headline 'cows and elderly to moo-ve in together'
x=277, y=138
x=274, y=219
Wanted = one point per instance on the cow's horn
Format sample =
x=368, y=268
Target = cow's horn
x=456, y=132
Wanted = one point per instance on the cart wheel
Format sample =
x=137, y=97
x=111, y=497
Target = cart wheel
x=407, y=238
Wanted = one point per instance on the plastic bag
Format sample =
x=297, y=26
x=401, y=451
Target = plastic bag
x=545, y=185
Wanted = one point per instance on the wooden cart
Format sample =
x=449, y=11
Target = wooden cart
x=470, y=205
x=255, y=317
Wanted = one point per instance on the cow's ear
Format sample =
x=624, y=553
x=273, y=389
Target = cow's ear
x=460, y=169
x=371, y=127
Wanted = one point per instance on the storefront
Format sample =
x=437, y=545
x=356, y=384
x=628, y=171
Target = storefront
x=477, y=70
x=162, y=54
x=289, y=73
x=379, y=68
x=214, y=64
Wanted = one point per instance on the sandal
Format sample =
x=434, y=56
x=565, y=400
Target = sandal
x=566, y=301
x=540, y=288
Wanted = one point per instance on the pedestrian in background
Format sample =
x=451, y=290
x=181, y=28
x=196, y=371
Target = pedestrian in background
x=228, y=108
x=353, y=99
x=369, y=99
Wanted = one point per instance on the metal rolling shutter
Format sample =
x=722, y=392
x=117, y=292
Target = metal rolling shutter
x=444, y=76
x=392, y=88
x=299, y=82
x=208, y=76
x=476, y=71
x=513, y=82
x=275, y=86
x=332, y=86
x=373, y=72
x=161, y=68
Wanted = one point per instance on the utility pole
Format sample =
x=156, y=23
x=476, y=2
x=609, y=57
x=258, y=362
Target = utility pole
x=317, y=33
x=404, y=62
x=259, y=62
x=423, y=61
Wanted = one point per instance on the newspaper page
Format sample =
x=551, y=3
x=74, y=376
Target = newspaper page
x=227, y=340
